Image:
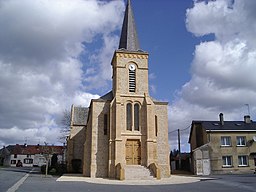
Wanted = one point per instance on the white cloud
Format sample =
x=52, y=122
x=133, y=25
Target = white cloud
x=226, y=19
x=84, y=99
x=222, y=71
x=99, y=76
x=30, y=136
x=41, y=45
x=152, y=86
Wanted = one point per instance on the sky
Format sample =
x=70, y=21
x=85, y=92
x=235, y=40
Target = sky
x=202, y=58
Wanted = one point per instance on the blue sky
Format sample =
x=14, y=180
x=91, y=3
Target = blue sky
x=162, y=32
x=55, y=54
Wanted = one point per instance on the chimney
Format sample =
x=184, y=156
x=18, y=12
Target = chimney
x=247, y=119
x=221, y=119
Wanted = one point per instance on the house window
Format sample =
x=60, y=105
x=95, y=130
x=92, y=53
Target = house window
x=105, y=124
x=13, y=162
x=15, y=155
x=136, y=117
x=242, y=160
x=225, y=141
x=28, y=156
x=28, y=161
x=129, y=116
x=227, y=161
x=240, y=141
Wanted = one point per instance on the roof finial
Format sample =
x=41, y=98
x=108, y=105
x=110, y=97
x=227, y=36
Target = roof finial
x=129, y=38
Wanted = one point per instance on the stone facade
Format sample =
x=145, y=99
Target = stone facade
x=234, y=150
x=223, y=146
x=96, y=143
x=103, y=152
x=125, y=127
x=75, y=142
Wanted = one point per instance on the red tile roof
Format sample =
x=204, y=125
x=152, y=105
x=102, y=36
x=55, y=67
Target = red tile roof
x=34, y=149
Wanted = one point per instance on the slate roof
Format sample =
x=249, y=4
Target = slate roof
x=129, y=38
x=80, y=115
x=108, y=96
x=228, y=125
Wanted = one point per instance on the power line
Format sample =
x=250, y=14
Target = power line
x=185, y=128
x=179, y=147
x=172, y=131
x=179, y=129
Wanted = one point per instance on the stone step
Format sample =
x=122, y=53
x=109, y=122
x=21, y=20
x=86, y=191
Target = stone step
x=138, y=172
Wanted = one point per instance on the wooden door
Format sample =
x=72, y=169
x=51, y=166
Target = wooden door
x=133, y=152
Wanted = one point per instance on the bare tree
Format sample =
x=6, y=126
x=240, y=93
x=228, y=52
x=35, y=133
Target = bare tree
x=65, y=124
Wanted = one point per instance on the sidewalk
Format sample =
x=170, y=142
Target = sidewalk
x=174, y=179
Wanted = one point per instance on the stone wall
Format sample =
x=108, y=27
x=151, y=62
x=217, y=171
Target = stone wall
x=87, y=148
x=161, y=111
x=75, y=146
x=99, y=141
x=78, y=142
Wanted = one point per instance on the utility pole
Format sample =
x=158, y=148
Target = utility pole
x=47, y=159
x=179, y=148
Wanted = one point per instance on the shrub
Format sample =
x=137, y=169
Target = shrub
x=61, y=168
x=43, y=168
x=53, y=171
x=58, y=169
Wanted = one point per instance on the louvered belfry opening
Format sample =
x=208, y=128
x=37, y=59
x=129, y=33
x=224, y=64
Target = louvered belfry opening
x=132, y=80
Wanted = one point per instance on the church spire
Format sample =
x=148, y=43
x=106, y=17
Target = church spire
x=129, y=39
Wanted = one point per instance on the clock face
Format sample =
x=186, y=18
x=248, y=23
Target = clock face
x=132, y=67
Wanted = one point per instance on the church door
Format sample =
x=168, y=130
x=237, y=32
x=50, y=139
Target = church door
x=133, y=152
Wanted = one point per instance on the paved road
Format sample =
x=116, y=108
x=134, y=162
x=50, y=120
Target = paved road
x=244, y=182
x=40, y=183
x=37, y=183
x=10, y=176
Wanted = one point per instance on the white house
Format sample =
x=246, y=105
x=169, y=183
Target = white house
x=29, y=155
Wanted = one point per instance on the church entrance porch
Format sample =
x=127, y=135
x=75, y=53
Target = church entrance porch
x=133, y=152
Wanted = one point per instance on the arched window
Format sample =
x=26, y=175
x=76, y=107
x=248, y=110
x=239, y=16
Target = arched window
x=136, y=117
x=156, y=128
x=129, y=116
x=105, y=130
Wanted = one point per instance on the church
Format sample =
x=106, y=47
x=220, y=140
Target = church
x=125, y=131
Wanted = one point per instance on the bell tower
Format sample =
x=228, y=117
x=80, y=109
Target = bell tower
x=125, y=128
x=130, y=64
x=135, y=137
